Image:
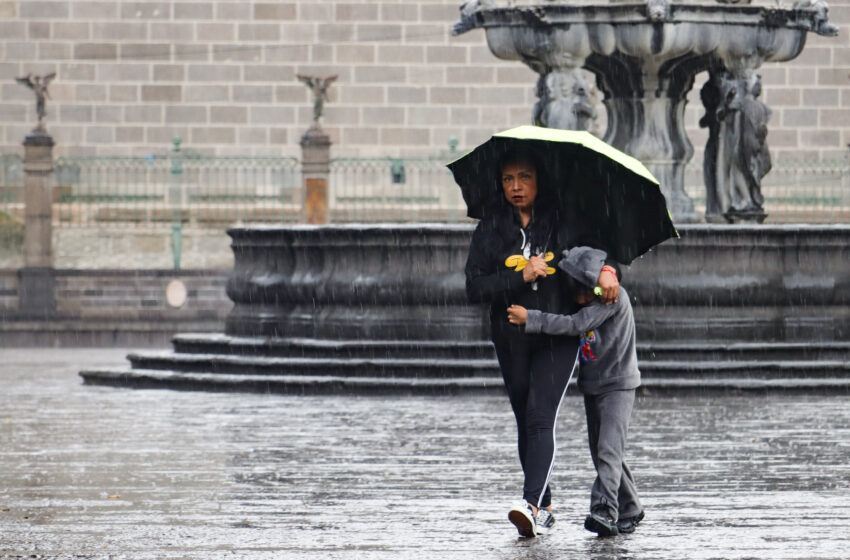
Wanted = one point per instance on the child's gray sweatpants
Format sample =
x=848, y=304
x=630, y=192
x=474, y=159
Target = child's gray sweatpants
x=607, y=426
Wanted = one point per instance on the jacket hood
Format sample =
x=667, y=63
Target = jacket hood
x=583, y=264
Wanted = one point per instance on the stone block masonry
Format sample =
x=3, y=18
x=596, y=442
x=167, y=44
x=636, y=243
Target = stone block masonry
x=124, y=307
x=139, y=295
x=222, y=74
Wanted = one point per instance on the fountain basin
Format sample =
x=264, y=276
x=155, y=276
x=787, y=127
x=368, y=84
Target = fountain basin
x=406, y=282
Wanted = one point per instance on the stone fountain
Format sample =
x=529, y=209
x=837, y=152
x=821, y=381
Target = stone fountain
x=382, y=308
x=645, y=57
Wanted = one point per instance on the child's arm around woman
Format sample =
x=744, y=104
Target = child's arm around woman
x=588, y=318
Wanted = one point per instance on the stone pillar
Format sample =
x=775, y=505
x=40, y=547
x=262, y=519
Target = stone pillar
x=36, y=297
x=315, y=173
x=645, y=100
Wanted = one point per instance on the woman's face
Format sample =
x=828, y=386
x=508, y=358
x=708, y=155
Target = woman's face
x=519, y=182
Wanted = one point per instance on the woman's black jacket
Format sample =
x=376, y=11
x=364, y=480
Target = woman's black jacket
x=499, y=236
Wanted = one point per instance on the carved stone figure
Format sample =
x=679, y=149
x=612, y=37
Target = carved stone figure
x=822, y=26
x=39, y=86
x=658, y=10
x=755, y=157
x=467, y=13
x=319, y=87
x=736, y=154
x=564, y=101
x=710, y=96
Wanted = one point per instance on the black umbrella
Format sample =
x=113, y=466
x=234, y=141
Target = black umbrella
x=601, y=192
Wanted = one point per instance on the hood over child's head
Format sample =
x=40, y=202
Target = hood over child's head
x=583, y=265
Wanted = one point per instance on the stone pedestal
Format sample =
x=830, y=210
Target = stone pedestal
x=315, y=172
x=745, y=217
x=36, y=296
x=732, y=283
x=353, y=282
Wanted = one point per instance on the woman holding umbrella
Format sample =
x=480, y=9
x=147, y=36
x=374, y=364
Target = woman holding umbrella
x=509, y=263
x=533, y=201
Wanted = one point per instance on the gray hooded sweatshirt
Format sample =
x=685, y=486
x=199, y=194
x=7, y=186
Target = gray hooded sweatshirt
x=607, y=353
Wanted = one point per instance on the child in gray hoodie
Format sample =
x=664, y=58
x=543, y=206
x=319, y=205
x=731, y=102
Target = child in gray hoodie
x=608, y=377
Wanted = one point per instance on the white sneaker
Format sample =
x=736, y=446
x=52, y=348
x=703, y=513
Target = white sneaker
x=522, y=516
x=545, y=521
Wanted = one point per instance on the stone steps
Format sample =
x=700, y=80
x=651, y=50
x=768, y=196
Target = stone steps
x=223, y=363
x=682, y=369
x=747, y=351
x=430, y=368
x=341, y=367
x=477, y=350
x=324, y=348
x=289, y=384
x=334, y=384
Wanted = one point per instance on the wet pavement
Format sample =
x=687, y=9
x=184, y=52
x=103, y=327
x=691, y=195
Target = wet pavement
x=97, y=472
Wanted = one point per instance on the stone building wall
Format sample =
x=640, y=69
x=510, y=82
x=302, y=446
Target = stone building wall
x=128, y=294
x=222, y=74
x=122, y=308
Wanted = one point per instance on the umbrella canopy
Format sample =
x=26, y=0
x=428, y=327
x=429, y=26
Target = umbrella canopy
x=603, y=193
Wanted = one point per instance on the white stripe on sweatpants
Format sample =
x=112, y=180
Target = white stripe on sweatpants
x=554, y=426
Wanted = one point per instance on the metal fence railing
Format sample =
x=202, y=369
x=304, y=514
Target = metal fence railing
x=393, y=190
x=795, y=191
x=11, y=203
x=808, y=191
x=184, y=188
x=176, y=188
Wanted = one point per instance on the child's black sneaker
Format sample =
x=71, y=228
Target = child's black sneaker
x=522, y=516
x=628, y=524
x=545, y=521
x=601, y=522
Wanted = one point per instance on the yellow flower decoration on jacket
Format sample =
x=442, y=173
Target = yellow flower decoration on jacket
x=518, y=262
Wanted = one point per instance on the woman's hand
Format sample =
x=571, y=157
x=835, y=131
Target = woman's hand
x=536, y=268
x=517, y=314
x=610, y=285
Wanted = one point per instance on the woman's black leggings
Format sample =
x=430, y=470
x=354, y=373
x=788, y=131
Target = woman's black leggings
x=535, y=369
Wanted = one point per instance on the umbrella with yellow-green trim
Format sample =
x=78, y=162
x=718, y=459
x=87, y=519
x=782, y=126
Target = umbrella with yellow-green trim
x=600, y=192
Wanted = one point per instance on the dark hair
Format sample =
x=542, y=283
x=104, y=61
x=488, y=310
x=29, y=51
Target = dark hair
x=519, y=155
x=529, y=156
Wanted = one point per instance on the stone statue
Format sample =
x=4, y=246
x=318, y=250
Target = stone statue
x=736, y=154
x=319, y=87
x=564, y=101
x=39, y=86
x=822, y=26
x=467, y=12
x=658, y=10
x=710, y=96
x=755, y=157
